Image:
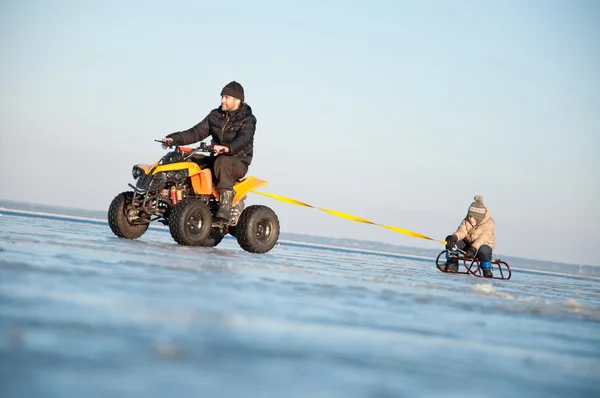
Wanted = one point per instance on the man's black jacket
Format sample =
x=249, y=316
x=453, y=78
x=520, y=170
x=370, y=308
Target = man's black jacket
x=234, y=129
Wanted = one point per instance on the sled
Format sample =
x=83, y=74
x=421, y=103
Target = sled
x=472, y=266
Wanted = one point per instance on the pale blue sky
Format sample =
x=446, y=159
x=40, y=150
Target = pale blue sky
x=398, y=112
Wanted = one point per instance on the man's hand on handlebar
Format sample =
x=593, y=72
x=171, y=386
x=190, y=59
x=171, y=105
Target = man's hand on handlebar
x=167, y=142
x=218, y=149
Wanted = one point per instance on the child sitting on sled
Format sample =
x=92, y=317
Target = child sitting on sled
x=475, y=236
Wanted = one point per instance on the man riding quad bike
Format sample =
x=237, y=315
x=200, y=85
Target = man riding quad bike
x=178, y=191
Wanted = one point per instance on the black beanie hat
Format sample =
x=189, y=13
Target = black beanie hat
x=234, y=89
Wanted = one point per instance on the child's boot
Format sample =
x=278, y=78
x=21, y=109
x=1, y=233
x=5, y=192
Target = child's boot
x=486, y=268
x=451, y=264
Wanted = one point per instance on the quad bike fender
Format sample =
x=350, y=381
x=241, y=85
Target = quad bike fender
x=246, y=185
x=191, y=167
x=146, y=167
x=202, y=182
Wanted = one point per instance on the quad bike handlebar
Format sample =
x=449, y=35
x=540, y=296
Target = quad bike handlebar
x=203, y=147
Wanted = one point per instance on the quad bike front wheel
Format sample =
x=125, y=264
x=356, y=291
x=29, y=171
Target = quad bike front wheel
x=257, y=230
x=190, y=223
x=121, y=217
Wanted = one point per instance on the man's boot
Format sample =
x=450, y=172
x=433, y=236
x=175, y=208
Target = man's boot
x=486, y=268
x=236, y=211
x=225, y=204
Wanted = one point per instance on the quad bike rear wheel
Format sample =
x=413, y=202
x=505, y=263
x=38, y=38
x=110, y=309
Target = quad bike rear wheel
x=190, y=222
x=121, y=215
x=257, y=230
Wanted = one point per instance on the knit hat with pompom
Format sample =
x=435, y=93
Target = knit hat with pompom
x=477, y=209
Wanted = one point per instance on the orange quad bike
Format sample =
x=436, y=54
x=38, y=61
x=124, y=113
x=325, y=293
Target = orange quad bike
x=178, y=191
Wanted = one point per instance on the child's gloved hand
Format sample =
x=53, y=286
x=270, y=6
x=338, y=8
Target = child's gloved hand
x=451, y=241
x=471, y=251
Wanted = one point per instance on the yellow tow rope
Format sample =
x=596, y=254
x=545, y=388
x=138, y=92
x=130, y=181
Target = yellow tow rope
x=349, y=216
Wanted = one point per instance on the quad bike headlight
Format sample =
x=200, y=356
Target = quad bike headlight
x=137, y=172
x=176, y=175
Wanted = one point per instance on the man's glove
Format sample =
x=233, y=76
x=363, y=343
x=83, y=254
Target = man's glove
x=471, y=252
x=451, y=241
